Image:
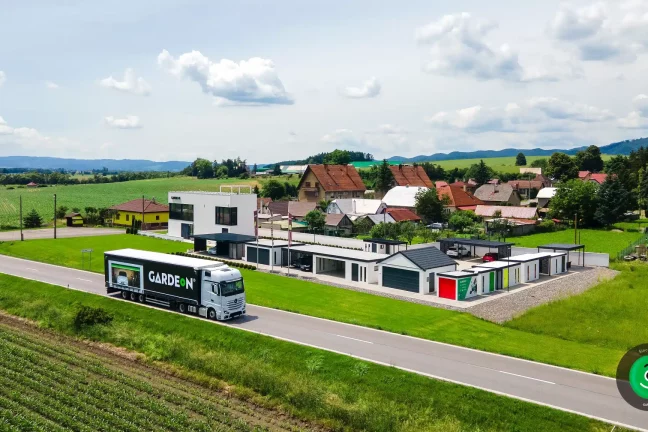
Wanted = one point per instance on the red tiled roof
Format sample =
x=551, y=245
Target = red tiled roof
x=409, y=175
x=583, y=174
x=278, y=208
x=526, y=184
x=401, y=215
x=136, y=206
x=336, y=178
x=507, y=211
x=598, y=178
x=458, y=197
x=440, y=183
x=299, y=209
x=334, y=219
x=32, y=184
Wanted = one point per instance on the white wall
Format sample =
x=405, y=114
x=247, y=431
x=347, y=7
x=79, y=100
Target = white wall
x=205, y=204
x=310, y=238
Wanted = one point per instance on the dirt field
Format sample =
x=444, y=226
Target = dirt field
x=52, y=382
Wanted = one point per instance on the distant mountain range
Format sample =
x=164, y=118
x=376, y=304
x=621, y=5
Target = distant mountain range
x=619, y=148
x=53, y=163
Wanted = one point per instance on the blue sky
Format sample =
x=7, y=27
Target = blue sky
x=285, y=79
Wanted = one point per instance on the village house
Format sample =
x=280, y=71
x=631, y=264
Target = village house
x=409, y=175
x=338, y=224
x=356, y=207
x=455, y=198
x=329, y=182
x=498, y=194
x=155, y=215
x=528, y=189
x=598, y=178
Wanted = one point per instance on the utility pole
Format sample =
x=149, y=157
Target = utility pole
x=21, y=221
x=55, y=216
x=575, y=228
x=142, y=226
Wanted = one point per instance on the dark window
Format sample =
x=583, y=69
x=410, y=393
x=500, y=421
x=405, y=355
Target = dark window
x=118, y=216
x=307, y=184
x=127, y=218
x=226, y=216
x=181, y=212
x=157, y=217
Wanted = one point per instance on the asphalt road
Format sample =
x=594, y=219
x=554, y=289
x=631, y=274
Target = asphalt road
x=568, y=390
x=63, y=232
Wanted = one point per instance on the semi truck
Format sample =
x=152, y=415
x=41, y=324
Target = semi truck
x=190, y=285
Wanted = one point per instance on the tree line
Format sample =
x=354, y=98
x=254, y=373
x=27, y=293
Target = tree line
x=59, y=178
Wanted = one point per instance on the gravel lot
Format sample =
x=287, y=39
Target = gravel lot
x=516, y=303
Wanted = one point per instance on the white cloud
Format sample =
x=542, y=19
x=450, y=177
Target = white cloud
x=26, y=140
x=605, y=30
x=51, y=85
x=250, y=82
x=637, y=119
x=457, y=46
x=384, y=139
x=540, y=114
x=129, y=122
x=369, y=89
x=3, y=78
x=641, y=104
x=130, y=84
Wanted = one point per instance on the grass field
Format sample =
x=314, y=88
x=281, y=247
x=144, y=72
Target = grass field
x=353, y=307
x=102, y=195
x=603, y=241
x=340, y=392
x=52, y=382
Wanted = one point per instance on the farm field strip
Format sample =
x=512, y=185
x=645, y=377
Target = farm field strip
x=53, y=386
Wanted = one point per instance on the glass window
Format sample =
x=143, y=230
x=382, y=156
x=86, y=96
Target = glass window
x=181, y=212
x=157, y=217
x=127, y=218
x=232, y=288
x=118, y=216
x=226, y=216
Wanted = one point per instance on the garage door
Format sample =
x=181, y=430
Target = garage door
x=264, y=255
x=407, y=280
x=447, y=288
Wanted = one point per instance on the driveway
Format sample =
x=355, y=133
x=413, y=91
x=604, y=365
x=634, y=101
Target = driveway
x=60, y=233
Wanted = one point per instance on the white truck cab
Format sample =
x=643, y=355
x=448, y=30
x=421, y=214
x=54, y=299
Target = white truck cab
x=223, y=293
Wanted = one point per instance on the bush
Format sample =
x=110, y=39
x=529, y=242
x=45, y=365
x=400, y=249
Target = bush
x=546, y=226
x=244, y=175
x=88, y=316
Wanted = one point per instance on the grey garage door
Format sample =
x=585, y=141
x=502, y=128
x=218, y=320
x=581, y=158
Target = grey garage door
x=407, y=280
x=264, y=255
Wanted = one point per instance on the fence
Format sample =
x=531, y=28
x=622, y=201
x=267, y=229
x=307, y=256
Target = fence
x=630, y=249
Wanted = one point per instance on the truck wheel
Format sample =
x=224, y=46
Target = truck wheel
x=182, y=308
x=140, y=298
x=133, y=296
x=211, y=314
x=124, y=295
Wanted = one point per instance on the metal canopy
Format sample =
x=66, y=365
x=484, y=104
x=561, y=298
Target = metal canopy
x=567, y=247
x=225, y=237
x=503, y=248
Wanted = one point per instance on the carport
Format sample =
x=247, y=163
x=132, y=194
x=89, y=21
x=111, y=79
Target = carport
x=269, y=252
x=227, y=244
x=477, y=247
x=567, y=248
x=349, y=264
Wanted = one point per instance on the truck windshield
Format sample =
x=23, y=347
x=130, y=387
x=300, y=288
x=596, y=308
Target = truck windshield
x=232, y=288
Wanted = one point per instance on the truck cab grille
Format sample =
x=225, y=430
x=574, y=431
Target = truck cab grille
x=235, y=304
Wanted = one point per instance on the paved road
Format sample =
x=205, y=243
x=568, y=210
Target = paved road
x=565, y=389
x=60, y=233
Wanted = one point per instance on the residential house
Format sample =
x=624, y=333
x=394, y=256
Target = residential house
x=403, y=215
x=498, y=194
x=507, y=212
x=74, y=219
x=378, y=218
x=298, y=209
x=262, y=205
x=329, y=182
x=409, y=175
x=155, y=214
x=468, y=186
x=440, y=183
x=598, y=178
x=278, y=208
x=545, y=195
x=338, y=224
x=402, y=196
x=457, y=199
x=356, y=207
x=528, y=189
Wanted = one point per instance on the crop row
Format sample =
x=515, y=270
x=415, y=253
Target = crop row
x=83, y=399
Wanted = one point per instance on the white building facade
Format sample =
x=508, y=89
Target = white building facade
x=211, y=213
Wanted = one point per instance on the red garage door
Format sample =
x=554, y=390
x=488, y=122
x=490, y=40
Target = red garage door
x=447, y=288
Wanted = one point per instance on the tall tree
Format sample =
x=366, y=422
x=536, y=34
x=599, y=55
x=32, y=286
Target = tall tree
x=408, y=231
x=315, y=220
x=384, y=177
x=613, y=201
x=575, y=197
x=276, y=170
x=642, y=192
x=561, y=167
x=520, y=159
x=273, y=189
x=32, y=220
x=338, y=157
x=428, y=206
x=590, y=159
x=204, y=169
x=61, y=211
x=480, y=172
x=540, y=163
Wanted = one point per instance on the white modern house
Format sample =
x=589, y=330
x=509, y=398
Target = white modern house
x=211, y=213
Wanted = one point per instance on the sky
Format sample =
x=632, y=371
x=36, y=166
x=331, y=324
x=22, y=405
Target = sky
x=285, y=79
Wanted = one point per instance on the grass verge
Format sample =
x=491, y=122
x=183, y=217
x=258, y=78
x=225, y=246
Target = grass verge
x=341, y=392
x=595, y=240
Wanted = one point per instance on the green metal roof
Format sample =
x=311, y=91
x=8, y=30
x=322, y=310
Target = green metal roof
x=369, y=164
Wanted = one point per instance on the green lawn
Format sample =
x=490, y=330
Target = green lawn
x=337, y=391
x=603, y=241
x=353, y=307
x=103, y=195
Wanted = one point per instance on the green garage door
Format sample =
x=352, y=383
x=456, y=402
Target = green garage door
x=264, y=255
x=407, y=280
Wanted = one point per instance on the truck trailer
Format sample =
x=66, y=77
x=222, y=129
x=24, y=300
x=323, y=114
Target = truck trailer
x=190, y=285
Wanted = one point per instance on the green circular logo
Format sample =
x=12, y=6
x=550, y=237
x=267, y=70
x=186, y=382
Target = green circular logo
x=639, y=377
x=183, y=282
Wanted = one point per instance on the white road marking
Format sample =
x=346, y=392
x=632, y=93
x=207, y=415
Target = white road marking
x=32, y=269
x=359, y=340
x=85, y=280
x=522, y=376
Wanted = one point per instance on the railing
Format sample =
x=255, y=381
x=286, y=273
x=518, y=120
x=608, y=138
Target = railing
x=629, y=250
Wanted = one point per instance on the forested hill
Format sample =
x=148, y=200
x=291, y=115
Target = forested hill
x=53, y=163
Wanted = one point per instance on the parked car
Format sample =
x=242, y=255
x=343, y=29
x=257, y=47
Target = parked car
x=458, y=251
x=122, y=279
x=437, y=226
x=490, y=257
x=212, y=251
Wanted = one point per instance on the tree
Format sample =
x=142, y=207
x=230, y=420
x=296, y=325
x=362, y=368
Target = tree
x=32, y=220
x=460, y=221
x=620, y=167
x=480, y=172
x=575, y=198
x=520, y=159
x=540, y=163
x=315, y=220
x=276, y=170
x=254, y=169
x=221, y=172
x=204, y=169
x=273, y=189
x=384, y=177
x=643, y=189
x=385, y=231
x=408, y=231
x=426, y=234
x=255, y=189
x=362, y=225
x=561, y=167
x=323, y=204
x=613, y=201
x=61, y=211
x=589, y=159
x=338, y=157
x=428, y=206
